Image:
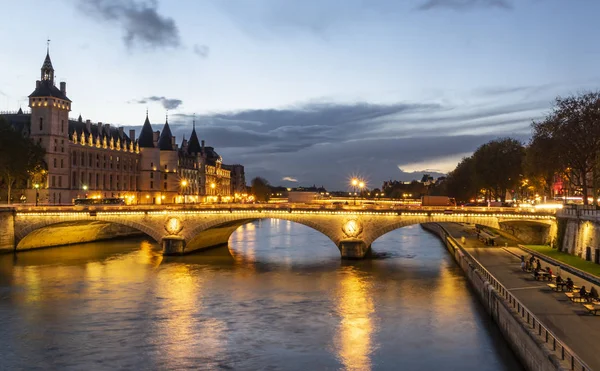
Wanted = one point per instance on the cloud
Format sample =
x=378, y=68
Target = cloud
x=401, y=141
x=462, y=5
x=289, y=179
x=167, y=103
x=201, y=50
x=140, y=21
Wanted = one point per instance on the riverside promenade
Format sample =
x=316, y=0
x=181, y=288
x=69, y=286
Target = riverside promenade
x=570, y=322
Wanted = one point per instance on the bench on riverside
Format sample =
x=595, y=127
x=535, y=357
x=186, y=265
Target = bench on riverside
x=553, y=287
x=592, y=309
x=574, y=297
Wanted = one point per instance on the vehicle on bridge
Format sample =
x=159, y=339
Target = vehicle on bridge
x=437, y=201
x=112, y=201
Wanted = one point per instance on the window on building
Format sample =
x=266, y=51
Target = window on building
x=74, y=183
x=60, y=182
x=111, y=182
x=151, y=175
x=90, y=160
x=82, y=162
x=105, y=161
x=82, y=177
x=74, y=157
x=111, y=162
x=62, y=126
x=165, y=186
x=53, y=181
x=55, y=144
x=152, y=164
x=62, y=163
x=97, y=160
x=165, y=167
x=151, y=185
x=90, y=180
x=41, y=123
x=118, y=163
x=54, y=162
x=97, y=183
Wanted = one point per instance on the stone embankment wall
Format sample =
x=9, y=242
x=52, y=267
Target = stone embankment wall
x=524, y=342
x=7, y=230
x=581, y=237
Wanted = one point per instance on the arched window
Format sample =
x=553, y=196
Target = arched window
x=41, y=123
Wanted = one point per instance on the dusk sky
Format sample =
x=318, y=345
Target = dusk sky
x=312, y=91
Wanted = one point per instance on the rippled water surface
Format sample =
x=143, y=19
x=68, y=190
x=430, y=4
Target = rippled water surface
x=279, y=298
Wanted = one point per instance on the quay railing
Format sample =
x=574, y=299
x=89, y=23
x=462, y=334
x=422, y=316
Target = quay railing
x=564, y=353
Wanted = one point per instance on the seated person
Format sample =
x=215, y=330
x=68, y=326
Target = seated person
x=559, y=279
x=549, y=271
x=570, y=283
x=583, y=292
x=536, y=274
x=593, y=293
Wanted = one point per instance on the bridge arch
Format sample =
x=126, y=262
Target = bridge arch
x=217, y=232
x=49, y=232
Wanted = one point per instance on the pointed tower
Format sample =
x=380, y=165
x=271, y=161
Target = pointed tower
x=146, y=139
x=165, y=142
x=50, y=128
x=194, y=143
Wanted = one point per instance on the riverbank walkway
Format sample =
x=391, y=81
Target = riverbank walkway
x=569, y=321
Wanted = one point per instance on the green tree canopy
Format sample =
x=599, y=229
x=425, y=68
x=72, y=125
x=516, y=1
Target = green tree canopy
x=499, y=166
x=261, y=189
x=19, y=157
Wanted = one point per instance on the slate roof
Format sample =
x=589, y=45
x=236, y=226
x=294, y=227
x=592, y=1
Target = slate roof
x=165, y=142
x=194, y=144
x=146, y=139
x=47, y=89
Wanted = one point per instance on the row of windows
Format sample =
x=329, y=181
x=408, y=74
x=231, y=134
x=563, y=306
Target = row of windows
x=97, y=181
x=104, y=161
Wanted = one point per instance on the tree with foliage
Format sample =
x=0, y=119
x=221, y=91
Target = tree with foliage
x=261, y=189
x=541, y=164
x=573, y=128
x=499, y=167
x=461, y=182
x=20, y=157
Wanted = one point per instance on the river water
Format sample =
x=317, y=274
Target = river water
x=278, y=298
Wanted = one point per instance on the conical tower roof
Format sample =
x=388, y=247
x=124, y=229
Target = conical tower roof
x=194, y=143
x=165, y=142
x=146, y=139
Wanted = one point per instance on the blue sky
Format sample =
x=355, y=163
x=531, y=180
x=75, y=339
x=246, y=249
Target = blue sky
x=311, y=90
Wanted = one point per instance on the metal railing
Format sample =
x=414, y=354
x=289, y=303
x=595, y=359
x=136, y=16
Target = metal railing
x=558, y=347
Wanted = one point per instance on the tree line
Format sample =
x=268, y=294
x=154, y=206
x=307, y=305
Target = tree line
x=21, y=160
x=565, y=146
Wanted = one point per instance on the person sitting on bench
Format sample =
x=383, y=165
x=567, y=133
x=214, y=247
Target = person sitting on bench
x=536, y=274
x=570, y=284
x=549, y=271
x=593, y=295
x=583, y=292
x=559, y=279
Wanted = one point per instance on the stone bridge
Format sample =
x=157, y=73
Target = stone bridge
x=183, y=230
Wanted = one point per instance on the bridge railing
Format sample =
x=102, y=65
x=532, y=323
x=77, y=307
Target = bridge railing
x=546, y=335
x=287, y=206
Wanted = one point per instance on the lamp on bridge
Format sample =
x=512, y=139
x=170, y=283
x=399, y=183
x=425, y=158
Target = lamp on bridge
x=361, y=186
x=85, y=188
x=37, y=193
x=354, y=184
x=184, y=183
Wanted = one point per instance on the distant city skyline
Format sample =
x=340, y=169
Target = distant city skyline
x=312, y=92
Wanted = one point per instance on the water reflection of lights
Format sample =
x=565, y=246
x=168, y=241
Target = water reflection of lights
x=181, y=333
x=355, y=307
x=243, y=246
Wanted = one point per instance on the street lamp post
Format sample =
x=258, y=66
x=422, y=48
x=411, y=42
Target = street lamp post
x=354, y=184
x=85, y=188
x=361, y=186
x=37, y=193
x=183, y=185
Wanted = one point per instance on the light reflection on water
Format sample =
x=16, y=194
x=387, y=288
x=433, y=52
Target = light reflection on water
x=278, y=298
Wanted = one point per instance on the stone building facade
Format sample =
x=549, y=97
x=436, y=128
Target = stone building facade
x=96, y=160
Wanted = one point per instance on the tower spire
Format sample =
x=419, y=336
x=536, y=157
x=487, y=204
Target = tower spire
x=47, y=69
x=48, y=46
